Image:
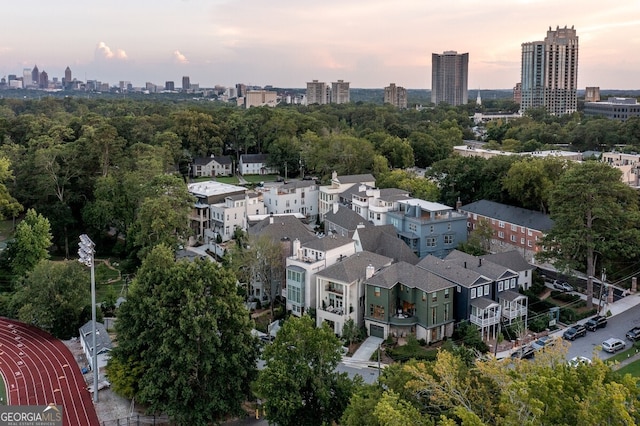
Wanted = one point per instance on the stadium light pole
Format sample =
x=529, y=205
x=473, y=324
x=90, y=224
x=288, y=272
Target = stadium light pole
x=86, y=257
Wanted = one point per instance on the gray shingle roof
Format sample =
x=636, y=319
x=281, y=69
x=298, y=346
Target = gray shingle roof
x=483, y=302
x=253, y=158
x=282, y=227
x=202, y=161
x=384, y=240
x=356, y=178
x=479, y=264
x=354, y=267
x=510, y=295
x=409, y=275
x=346, y=218
x=515, y=215
x=511, y=259
x=328, y=242
x=393, y=194
x=103, y=341
x=452, y=272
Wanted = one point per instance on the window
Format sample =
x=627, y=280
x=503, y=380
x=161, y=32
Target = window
x=522, y=229
x=434, y=297
x=514, y=228
x=448, y=239
x=522, y=240
x=434, y=316
x=412, y=227
x=513, y=238
x=500, y=286
x=431, y=229
x=424, y=296
x=446, y=311
x=431, y=241
x=446, y=293
x=473, y=293
x=500, y=234
x=529, y=232
x=529, y=243
x=513, y=283
x=501, y=224
x=376, y=311
x=486, y=289
x=376, y=291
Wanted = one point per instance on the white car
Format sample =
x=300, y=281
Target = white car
x=562, y=285
x=579, y=360
x=613, y=345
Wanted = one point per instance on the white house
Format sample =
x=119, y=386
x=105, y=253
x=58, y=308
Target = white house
x=232, y=214
x=330, y=194
x=307, y=260
x=374, y=203
x=340, y=290
x=212, y=166
x=293, y=197
x=255, y=164
x=103, y=343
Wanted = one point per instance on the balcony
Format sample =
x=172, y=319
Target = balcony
x=335, y=311
x=484, y=321
x=517, y=312
x=333, y=288
x=403, y=319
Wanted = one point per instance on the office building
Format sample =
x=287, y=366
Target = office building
x=592, y=94
x=449, y=76
x=186, y=83
x=241, y=90
x=35, y=76
x=620, y=109
x=169, y=86
x=317, y=93
x=260, y=98
x=340, y=92
x=26, y=78
x=43, y=81
x=549, y=73
x=395, y=95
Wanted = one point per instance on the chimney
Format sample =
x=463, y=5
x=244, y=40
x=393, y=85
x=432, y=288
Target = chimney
x=465, y=264
x=271, y=219
x=369, y=271
x=479, y=261
x=296, y=248
x=335, y=208
x=458, y=204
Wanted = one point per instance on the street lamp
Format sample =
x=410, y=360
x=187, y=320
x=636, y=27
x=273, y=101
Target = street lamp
x=85, y=253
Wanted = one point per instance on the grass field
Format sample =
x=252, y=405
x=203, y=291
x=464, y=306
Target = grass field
x=621, y=356
x=633, y=369
x=3, y=392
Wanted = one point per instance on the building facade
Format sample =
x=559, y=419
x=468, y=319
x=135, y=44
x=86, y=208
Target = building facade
x=620, y=109
x=317, y=93
x=260, y=98
x=340, y=92
x=449, y=78
x=186, y=83
x=549, y=72
x=395, y=95
x=293, y=197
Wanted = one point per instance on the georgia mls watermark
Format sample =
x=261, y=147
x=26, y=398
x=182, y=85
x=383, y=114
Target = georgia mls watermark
x=31, y=415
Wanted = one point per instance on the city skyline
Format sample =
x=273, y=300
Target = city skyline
x=369, y=43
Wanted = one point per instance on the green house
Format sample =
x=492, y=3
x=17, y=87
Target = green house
x=404, y=299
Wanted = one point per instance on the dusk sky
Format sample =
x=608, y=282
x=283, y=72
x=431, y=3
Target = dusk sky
x=286, y=43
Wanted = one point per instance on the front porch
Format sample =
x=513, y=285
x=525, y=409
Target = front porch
x=486, y=314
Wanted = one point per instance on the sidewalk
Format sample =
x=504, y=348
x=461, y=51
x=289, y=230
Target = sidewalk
x=615, y=308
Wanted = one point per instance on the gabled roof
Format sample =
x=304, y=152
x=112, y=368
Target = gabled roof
x=223, y=159
x=356, y=178
x=202, y=161
x=452, y=272
x=515, y=215
x=511, y=295
x=384, y=240
x=409, y=275
x=483, y=302
x=253, y=158
x=328, y=242
x=354, y=267
x=393, y=194
x=346, y=218
x=511, y=259
x=103, y=341
x=282, y=227
x=479, y=264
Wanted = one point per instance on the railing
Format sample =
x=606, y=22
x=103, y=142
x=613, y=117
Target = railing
x=514, y=313
x=403, y=320
x=485, y=321
x=334, y=289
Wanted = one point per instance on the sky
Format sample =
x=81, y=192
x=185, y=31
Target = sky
x=286, y=43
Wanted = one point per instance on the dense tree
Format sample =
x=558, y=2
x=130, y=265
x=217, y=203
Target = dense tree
x=418, y=187
x=30, y=244
x=184, y=341
x=596, y=219
x=530, y=181
x=9, y=206
x=54, y=296
x=299, y=383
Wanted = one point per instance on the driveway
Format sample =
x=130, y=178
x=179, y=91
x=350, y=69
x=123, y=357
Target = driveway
x=367, y=349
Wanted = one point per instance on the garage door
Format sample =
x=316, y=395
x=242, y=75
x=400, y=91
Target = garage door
x=376, y=331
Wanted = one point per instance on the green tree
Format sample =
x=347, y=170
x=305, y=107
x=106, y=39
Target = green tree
x=53, y=297
x=184, y=341
x=530, y=181
x=9, y=206
x=30, y=245
x=596, y=218
x=299, y=383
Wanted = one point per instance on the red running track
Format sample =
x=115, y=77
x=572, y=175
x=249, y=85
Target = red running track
x=39, y=369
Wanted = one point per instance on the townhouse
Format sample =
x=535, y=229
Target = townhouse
x=293, y=197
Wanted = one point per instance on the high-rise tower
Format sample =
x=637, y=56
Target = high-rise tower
x=317, y=93
x=449, y=75
x=549, y=74
x=35, y=76
x=340, y=92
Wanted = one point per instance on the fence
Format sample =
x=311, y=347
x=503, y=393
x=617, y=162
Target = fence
x=138, y=420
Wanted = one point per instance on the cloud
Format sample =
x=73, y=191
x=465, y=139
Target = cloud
x=105, y=52
x=180, y=58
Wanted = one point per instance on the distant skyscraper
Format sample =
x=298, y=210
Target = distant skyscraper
x=43, y=83
x=449, y=76
x=169, y=85
x=186, y=83
x=317, y=93
x=340, y=92
x=26, y=78
x=241, y=90
x=67, y=75
x=549, y=74
x=517, y=93
x=592, y=94
x=35, y=76
x=395, y=95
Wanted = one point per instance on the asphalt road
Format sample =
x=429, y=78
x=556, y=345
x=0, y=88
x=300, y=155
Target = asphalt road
x=617, y=326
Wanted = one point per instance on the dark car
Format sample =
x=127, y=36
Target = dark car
x=596, y=322
x=524, y=352
x=575, y=331
x=633, y=334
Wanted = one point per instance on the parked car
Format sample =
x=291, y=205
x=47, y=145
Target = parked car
x=524, y=352
x=579, y=360
x=562, y=285
x=633, y=334
x=543, y=342
x=596, y=322
x=613, y=345
x=575, y=331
